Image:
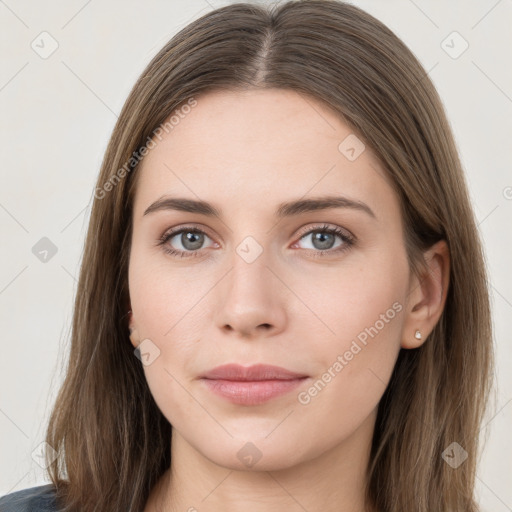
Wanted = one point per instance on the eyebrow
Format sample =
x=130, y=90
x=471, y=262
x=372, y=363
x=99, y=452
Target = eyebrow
x=287, y=209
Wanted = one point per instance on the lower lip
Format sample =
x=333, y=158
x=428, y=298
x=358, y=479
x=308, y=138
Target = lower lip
x=251, y=392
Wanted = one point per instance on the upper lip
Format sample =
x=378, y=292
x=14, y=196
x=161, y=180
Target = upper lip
x=238, y=372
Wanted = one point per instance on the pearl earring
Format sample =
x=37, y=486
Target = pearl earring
x=417, y=335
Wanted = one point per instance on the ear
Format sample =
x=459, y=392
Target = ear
x=427, y=296
x=134, y=336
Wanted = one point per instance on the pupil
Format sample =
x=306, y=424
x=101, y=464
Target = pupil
x=325, y=239
x=191, y=240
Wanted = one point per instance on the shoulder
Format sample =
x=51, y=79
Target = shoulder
x=35, y=499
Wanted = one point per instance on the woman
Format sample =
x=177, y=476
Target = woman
x=274, y=308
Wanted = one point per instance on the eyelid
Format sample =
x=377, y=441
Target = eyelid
x=324, y=226
x=187, y=227
x=172, y=232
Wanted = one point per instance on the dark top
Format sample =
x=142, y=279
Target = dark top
x=35, y=499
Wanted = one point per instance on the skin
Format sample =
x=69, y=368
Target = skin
x=286, y=308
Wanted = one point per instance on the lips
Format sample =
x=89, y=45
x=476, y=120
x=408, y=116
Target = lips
x=258, y=372
x=252, y=385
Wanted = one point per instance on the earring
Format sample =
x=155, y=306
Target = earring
x=417, y=335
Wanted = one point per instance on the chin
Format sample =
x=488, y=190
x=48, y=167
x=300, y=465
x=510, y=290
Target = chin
x=260, y=454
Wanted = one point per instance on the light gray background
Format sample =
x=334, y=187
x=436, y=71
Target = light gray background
x=57, y=114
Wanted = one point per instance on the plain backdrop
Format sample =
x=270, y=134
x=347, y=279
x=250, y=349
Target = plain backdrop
x=57, y=113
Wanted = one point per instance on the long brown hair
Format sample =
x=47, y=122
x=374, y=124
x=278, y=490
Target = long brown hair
x=113, y=441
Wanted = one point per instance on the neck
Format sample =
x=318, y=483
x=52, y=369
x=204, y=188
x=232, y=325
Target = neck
x=332, y=482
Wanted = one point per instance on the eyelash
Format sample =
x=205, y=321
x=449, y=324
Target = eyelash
x=348, y=241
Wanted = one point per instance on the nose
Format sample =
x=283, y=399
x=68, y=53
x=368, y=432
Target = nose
x=251, y=300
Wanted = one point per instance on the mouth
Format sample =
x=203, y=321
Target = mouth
x=251, y=385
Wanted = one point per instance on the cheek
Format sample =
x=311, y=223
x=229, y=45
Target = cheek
x=363, y=308
x=168, y=325
x=361, y=300
x=163, y=294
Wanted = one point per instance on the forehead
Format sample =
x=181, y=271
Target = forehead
x=249, y=147
x=256, y=121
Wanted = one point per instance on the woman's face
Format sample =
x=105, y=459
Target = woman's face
x=265, y=281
